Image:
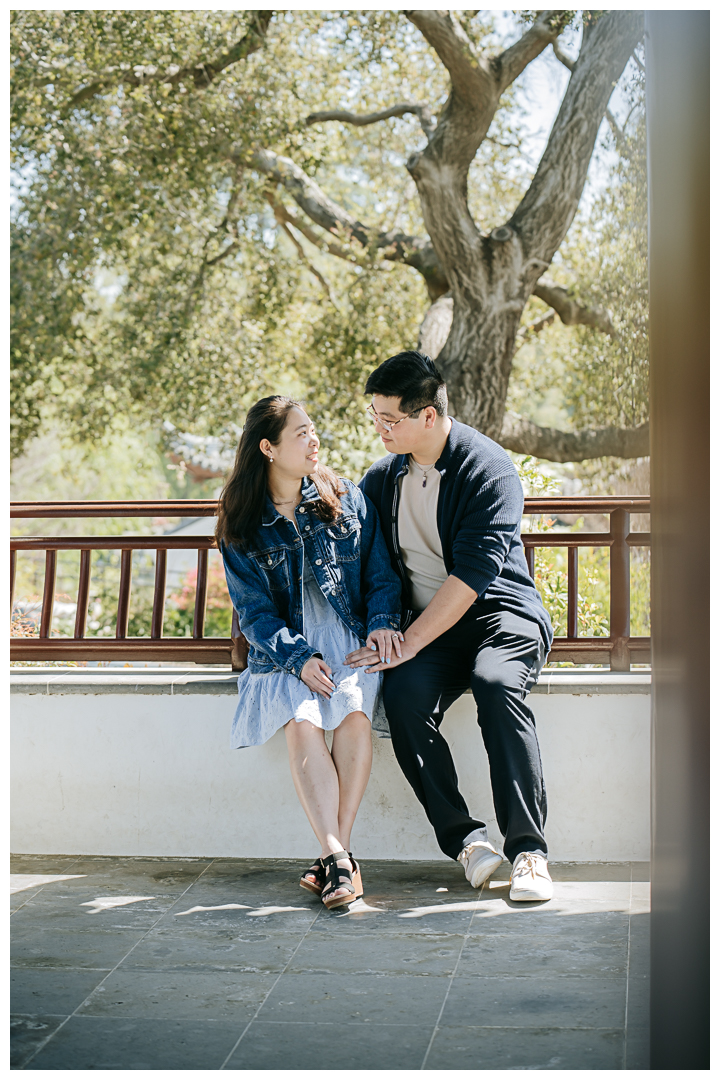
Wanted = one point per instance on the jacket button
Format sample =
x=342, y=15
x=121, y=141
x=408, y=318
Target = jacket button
x=307, y=528
x=301, y=509
x=318, y=562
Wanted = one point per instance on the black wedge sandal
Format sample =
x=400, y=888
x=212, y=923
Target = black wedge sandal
x=337, y=877
x=318, y=870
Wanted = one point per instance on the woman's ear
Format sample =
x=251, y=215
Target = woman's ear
x=266, y=447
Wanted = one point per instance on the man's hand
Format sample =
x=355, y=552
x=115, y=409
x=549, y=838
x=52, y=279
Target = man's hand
x=316, y=675
x=381, y=656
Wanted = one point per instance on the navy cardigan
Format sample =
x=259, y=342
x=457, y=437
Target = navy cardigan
x=480, y=507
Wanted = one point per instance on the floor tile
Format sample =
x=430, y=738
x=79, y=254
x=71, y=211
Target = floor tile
x=527, y=1002
x=40, y=947
x=637, y=1050
x=517, y=1048
x=42, y=864
x=93, y=1042
x=584, y=871
x=335, y=999
x=126, y=910
x=214, y=948
x=27, y=1033
x=540, y=955
x=168, y=995
x=47, y=992
x=292, y=914
x=605, y=928
x=638, y=1006
x=639, y=946
x=351, y=1046
x=433, y=918
x=386, y=954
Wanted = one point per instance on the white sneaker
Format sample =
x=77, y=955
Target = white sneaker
x=530, y=879
x=480, y=860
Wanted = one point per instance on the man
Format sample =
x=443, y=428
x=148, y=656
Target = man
x=450, y=504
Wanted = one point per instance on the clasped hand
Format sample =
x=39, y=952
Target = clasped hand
x=378, y=652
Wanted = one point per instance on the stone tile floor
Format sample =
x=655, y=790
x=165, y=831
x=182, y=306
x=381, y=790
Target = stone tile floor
x=159, y=963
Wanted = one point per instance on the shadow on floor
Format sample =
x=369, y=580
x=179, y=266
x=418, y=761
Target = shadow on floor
x=158, y=963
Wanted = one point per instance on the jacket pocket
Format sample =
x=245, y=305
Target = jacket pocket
x=273, y=565
x=343, y=540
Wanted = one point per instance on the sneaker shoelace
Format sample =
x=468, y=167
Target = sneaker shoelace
x=527, y=865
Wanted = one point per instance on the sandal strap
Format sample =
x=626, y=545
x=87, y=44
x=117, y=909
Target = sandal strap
x=337, y=877
x=333, y=858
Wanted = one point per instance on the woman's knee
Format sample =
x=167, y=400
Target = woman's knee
x=303, y=733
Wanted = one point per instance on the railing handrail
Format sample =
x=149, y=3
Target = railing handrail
x=618, y=648
x=194, y=508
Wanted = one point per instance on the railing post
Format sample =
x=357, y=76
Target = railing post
x=200, y=594
x=530, y=560
x=13, y=560
x=158, y=611
x=124, y=594
x=619, y=590
x=572, y=593
x=48, y=593
x=83, y=593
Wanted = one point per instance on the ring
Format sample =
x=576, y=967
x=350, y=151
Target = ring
x=395, y=635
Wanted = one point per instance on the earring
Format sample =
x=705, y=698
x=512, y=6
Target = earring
x=270, y=459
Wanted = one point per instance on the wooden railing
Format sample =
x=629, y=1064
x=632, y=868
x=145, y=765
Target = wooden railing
x=618, y=650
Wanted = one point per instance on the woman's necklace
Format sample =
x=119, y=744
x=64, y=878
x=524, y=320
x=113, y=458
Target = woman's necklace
x=285, y=502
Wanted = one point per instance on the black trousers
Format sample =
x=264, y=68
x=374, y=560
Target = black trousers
x=498, y=656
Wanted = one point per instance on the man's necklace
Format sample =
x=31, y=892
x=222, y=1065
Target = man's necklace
x=425, y=471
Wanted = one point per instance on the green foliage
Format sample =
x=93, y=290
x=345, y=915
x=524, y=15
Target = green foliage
x=577, y=377
x=150, y=278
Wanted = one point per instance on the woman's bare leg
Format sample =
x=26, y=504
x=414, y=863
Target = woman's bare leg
x=352, y=756
x=322, y=787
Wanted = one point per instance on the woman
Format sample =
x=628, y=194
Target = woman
x=310, y=578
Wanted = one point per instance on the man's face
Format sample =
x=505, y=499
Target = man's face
x=404, y=437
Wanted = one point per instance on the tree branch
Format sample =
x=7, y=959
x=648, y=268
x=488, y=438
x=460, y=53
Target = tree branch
x=524, y=437
x=394, y=245
x=304, y=259
x=571, y=313
x=549, y=205
x=202, y=72
x=427, y=121
x=471, y=73
x=283, y=216
x=516, y=58
x=563, y=56
x=435, y=327
x=618, y=133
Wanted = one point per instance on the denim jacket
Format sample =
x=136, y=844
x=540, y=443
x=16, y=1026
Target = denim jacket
x=350, y=563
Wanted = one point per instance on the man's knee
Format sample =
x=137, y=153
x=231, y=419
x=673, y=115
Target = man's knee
x=397, y=693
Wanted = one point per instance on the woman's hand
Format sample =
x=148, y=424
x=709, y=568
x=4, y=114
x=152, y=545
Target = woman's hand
x=378, y=650
x=316, y=675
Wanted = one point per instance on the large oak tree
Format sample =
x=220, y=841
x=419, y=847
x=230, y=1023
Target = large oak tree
x=161, y=148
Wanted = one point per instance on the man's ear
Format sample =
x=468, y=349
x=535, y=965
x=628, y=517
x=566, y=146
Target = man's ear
x=430, y=416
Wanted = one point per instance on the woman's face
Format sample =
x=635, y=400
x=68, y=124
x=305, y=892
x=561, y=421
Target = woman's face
x=296, y=454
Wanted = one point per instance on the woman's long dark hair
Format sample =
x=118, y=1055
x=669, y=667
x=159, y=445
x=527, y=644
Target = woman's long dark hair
x=242, y=500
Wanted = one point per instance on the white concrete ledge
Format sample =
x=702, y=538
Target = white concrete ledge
x=196, y=680
x=137, y=762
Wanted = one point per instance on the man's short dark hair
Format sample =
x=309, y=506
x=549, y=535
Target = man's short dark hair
x=413, y=377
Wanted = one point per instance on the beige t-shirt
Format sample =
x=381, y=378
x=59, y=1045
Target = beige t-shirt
x=418, y=534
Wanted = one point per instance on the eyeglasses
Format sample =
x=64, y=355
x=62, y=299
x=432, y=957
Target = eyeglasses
x=388, y=425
